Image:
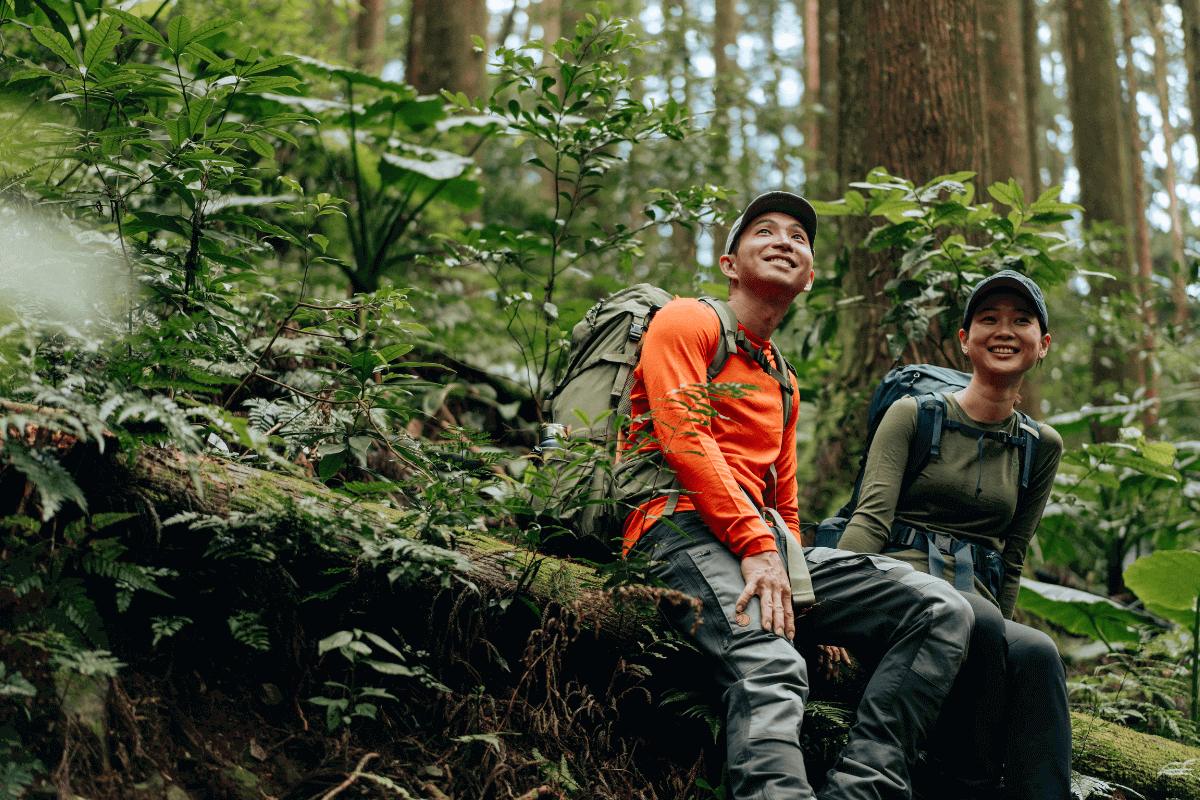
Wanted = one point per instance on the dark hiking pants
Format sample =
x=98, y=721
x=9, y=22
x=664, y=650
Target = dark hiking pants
x=1005, y=715
x=915, y=626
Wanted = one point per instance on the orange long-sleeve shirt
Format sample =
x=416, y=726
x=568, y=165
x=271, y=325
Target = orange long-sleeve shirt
x=713, y=455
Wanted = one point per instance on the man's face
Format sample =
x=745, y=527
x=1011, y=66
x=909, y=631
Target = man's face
x=773, y=257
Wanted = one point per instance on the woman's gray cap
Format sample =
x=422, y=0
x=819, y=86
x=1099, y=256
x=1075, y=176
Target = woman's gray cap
x=791, y=204
x=1011, y=280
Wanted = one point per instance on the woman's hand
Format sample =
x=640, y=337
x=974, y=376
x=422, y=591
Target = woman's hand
x=830, y=659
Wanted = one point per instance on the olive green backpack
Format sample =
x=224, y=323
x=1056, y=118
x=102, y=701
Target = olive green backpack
x=591, y=495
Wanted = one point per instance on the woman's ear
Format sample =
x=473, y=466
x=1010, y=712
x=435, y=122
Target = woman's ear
x=1045, y=347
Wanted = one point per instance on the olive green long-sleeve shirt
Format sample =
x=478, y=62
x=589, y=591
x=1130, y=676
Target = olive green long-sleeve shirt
x=943, y=498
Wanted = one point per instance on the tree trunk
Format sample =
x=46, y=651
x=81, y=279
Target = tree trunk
x=440, y=52
x=1032, y=59
x=369, y=25
x=812, y=92
x=1103, y=165
x=910, y=100
x=1179, y=298
x=829, y=96
x=1146, y=371
x=1191, y=40
x=725, y=83
x=1002, y=35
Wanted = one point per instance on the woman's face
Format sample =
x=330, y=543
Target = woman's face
x=1005, y=336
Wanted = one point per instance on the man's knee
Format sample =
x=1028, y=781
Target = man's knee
x=771, y=694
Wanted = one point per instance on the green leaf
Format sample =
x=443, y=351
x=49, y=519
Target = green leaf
x=210, y=29
x=1003, y=193
x=138, y=27
x=392, y=352
x=1081, y=613
x=103, y=38
x=330, y=465
x=1168, y=582
x=1160, y=452
x=835, y=209
x=388, y=668
x=1147, y=466
x=179, y=129
x=268, y=64
x=260, y=146
x=333, y=641
x=57, y=43
x=179, y=33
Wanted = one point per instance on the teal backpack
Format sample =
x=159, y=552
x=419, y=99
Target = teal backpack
x=589, y=495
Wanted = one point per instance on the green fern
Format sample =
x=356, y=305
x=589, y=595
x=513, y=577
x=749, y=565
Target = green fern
x=130, y=574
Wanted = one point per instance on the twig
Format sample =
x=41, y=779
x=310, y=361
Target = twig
x=534, y=793
x=352, y=777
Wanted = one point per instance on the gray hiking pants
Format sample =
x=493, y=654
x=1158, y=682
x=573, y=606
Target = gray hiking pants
x=915, y=625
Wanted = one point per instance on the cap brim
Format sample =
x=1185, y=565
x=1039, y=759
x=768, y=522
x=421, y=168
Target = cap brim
x=791, y=204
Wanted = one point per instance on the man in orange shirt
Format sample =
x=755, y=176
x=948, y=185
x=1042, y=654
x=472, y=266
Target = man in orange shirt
x=733, y=457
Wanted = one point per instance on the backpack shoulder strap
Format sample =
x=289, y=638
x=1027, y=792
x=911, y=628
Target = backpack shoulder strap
x=728, y=341
x=1031, y=436
x=927, y=442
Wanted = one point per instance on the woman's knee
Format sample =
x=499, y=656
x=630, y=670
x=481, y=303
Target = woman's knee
x=1031, y=650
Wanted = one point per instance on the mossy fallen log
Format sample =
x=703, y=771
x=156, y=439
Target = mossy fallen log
x=1156, y=768
x=160, y=483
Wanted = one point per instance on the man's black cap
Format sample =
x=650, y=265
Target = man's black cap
x=791, y=204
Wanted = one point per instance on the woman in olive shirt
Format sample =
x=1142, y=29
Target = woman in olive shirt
x=1007, y=713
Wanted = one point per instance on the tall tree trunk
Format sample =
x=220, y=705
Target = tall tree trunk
x=725, y=30
x=368, y=36
x=1144, y=371
x=440, y=52
x=1103, y=165
x=1179, y=298
x=829, y=95
x=1191, y=40
x=910, y=100
x=1031, y=56
x=1003, y=51
x=812, y=92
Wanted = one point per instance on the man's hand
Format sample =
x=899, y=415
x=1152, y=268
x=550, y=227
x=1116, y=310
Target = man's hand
x=765, y=576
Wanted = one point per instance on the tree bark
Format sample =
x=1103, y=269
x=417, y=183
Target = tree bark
x=1002, y=34
x=440, y=52
x=1179, y=298
x=1031, y=56
x=1103, y=165
x=812, y=92
x=1145, y=372
x=910, y=101
x=725, y=82
x=829, y=95
x=1191, y=39
x=369, y=25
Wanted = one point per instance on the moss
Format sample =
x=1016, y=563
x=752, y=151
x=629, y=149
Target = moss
x=1130, y=758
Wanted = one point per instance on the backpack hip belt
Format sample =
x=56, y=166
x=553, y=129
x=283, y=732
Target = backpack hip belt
x=971, y=559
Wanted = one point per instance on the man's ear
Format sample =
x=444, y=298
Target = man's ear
x=812, y=273
x=727, y=267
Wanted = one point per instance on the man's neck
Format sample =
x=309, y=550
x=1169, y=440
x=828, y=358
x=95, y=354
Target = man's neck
x=758, y=315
